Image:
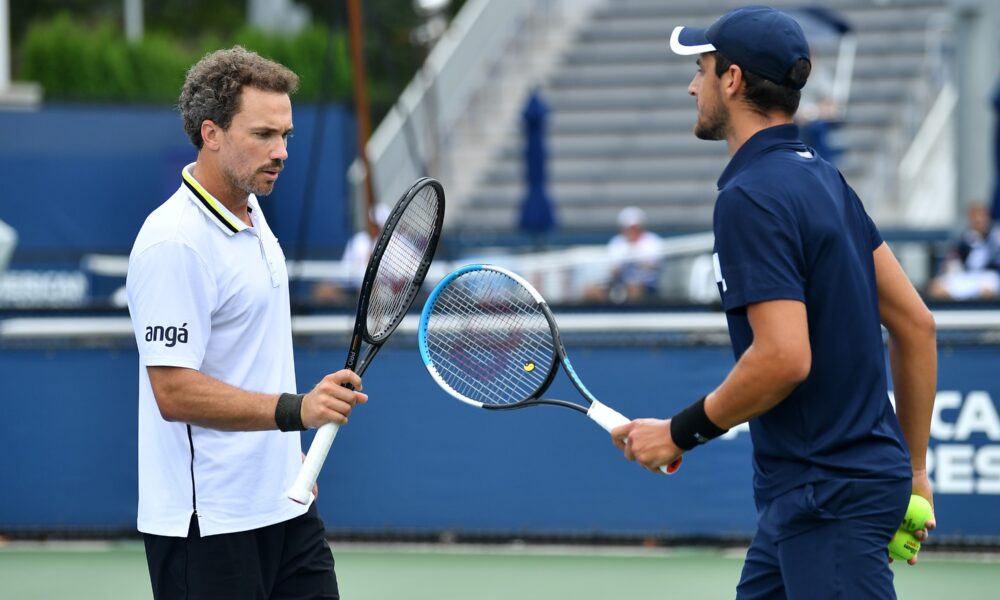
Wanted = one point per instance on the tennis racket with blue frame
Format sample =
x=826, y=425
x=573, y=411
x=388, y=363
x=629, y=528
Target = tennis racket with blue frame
x=489, y=339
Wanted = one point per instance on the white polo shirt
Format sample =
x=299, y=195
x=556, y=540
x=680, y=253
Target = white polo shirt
x=207, y=292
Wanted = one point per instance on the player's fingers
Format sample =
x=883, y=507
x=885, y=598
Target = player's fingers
x=343, y=377
x=341, y=406
x=628, y=450
x=332, y=410
x=345, y=395
x=931, y=524
x=350, y=377
x=621, y=432
x=360, y=398
x=644, y=459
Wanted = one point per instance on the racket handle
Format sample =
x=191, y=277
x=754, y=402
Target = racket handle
x=606, y=417
x=301, y=490
x=609, y=418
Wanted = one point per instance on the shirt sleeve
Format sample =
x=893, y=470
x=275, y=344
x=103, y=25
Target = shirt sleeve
x=759, y=250
x=171, y=297
x=873, y=233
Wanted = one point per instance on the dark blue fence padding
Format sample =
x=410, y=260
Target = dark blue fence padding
x=68, y=445
x=414, y=460
x=82, y=179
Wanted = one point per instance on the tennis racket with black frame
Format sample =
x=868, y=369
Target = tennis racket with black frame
x=396, y=270
x=489, y=339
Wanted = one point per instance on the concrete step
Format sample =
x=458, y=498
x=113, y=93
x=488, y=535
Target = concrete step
x=885, y=20
x=654, y=8
x=680, y=73
x=643, y=51
x=679, y=118
x=660, y=217
x=509, y=171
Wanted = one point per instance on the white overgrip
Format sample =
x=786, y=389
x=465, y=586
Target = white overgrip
x=301, y=490
x=606, y=417
x=609, y=418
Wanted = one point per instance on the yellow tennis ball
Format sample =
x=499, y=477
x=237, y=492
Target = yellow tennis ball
x=903, y=546
x=917, y=514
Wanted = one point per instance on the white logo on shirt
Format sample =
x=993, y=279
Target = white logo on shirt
x=718, y=271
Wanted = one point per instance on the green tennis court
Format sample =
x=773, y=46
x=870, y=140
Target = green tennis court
x=117, y=571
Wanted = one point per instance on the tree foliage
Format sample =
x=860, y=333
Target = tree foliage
x=81, y=55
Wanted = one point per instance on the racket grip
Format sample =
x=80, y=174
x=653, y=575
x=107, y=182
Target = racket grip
x=301, y=490
x=606, y=417
x=609, y=418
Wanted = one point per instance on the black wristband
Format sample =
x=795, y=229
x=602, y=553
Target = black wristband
x=692, y=427
x=288, y=412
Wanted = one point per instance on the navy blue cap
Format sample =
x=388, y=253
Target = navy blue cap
x=759, y=39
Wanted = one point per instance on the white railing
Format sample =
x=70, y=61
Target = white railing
x=560, y=275
x=927, y=172
x=906, y=145
x=109, y=328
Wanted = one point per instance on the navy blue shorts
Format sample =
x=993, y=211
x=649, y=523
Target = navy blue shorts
x=826, y=540
x=287, y=560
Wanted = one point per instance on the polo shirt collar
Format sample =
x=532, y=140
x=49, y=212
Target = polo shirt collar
x=760, y=142
x=220, y=215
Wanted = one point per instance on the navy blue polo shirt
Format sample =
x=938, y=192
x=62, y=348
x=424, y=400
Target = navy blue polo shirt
x=788, y=227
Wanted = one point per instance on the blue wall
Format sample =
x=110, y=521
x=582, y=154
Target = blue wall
x=83, y=179
x=416, y=461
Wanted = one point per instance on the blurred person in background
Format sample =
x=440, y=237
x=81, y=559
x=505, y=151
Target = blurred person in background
x=971, y=271
x=818, y=115
x=353, y=264
x=8, y=241
x=635, y=255
x=208, y=297
x=807, y=282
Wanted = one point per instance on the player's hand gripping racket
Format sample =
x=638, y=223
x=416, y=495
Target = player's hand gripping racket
x=396, y=270
x=489, y=339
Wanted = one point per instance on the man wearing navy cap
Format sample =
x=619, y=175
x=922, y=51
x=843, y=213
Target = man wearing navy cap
x=806, y=282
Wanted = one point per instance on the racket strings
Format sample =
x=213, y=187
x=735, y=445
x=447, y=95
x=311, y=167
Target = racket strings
x=488, y=340
x=404, y=255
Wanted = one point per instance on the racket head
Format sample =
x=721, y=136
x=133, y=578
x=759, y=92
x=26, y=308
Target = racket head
x=400, y=258
x=485, y=339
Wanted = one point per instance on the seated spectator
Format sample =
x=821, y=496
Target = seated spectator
x=635, y=255
x=354, y=262
x=8, y=240
x=972, y=269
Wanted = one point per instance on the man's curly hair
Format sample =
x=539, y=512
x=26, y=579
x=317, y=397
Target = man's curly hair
x=213, y=86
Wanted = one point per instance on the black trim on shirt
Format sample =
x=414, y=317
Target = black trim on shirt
x=211, y=208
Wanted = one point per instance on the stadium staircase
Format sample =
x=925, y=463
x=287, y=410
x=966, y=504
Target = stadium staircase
x=620, y=126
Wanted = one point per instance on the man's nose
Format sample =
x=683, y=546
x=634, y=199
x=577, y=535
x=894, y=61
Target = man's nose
x=280, y=152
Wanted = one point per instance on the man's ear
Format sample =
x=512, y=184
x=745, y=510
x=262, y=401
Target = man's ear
x=210, y=134
x=731, y=81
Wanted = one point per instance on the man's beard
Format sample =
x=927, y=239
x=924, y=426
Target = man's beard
x=248, y=185
x=713, y=125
